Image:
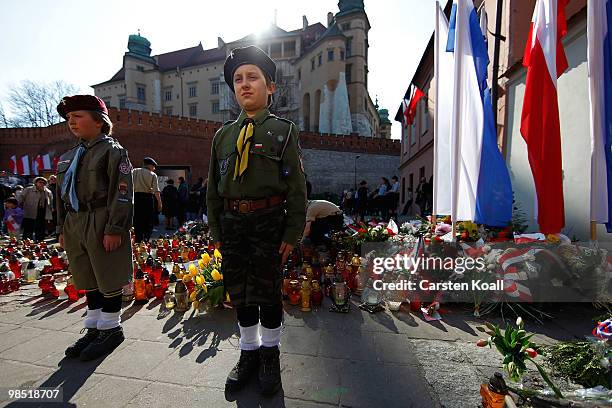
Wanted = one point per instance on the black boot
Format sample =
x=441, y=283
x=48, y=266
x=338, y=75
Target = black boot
x=106, y=342
x=242, y=371
x=75, y=350
x=269, y=370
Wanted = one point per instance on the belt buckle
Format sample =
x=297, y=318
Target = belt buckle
x=244, y=206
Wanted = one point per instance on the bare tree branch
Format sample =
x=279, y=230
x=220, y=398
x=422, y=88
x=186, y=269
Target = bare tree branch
x=33, y=104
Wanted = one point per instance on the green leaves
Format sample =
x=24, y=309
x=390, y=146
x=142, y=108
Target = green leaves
x=516, y=348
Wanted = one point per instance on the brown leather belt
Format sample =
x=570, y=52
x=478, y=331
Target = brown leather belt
x=249, y=206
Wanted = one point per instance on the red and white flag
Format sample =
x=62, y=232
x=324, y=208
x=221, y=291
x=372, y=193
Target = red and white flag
x=20, y=166
x=54, y=163
x=410, y=107
x=37, y=165
x=545, y=61
x=46, y=161
x=13, y=164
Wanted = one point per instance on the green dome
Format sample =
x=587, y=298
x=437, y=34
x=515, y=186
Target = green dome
x=139, y=45
x=383, y=114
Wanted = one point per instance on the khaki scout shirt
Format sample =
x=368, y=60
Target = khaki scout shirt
x=145, y=181
x=275, y=168
x=104, y=174
x=321, y=209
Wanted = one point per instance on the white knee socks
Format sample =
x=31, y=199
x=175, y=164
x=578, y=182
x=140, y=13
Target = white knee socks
x=249, y=337
x=91, y=320
x=109, y=320
x=271, y=337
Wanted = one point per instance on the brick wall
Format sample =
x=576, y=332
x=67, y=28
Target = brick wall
x=173, y=141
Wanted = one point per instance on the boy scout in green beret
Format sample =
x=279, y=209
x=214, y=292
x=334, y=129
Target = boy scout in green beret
x=256, y=210
x=94, y=211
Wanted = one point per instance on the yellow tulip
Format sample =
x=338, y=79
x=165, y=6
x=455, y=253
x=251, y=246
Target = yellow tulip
x=217, y=254
x=215, y=275
x=201, y=264
x=205, y=288
x=553, y=238
x=227, y=298
x=196, y=305
x=192, y=296
x=205, y=258
x=187, y=278
x=221, y=276
x=193, y=269
x=199, y=280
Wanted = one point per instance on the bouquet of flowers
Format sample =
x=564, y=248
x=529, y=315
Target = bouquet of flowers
x=208, y=280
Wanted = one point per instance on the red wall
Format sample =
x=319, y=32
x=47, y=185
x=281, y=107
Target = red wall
x=172, y=141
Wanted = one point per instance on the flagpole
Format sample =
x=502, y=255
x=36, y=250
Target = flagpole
x=455, y=137
x=434, y=208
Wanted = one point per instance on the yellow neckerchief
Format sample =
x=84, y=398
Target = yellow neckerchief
x=243, y=144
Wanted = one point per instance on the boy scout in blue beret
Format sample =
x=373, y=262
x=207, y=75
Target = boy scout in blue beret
x=94, y=214
x=256, y=211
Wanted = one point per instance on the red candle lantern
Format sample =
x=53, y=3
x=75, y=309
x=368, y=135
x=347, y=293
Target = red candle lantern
x=140, y=290
x=294, y=292
x=71, y=291
x=15, y=266
x=316, y=295
x=46, y=283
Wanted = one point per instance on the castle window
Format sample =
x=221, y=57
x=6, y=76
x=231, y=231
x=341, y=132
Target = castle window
x=312, y=64
x=193, y=110
x=168, y=95
x=330, y=55
x=320, y=59
x=122, y=102
x=341, y=55
x=215, y=107
x=168, y=111
x=214, y=88
x=290, y=49
x=192, y=91
x=299, y=74
x=275, y=50
x=140, y=93
x=349, y=46
x=346, y=26
x=140, y=68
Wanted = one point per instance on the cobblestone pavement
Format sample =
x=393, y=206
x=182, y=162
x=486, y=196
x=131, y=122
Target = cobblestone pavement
x=181, y=360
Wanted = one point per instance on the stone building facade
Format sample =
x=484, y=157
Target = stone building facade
x=322, y=77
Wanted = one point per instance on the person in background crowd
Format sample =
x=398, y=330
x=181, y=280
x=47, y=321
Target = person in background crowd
x=36, y=203
x=380, y=205
x=322, y=217
x=361, y=202
x=183, y=200
x=18, y=192
x=393, y=197
x=408, y=206
x=146, y=190
x=13, y=217
x=421, y=196
x=170, y=202
x=202, y=204
x=194, y=199
x=52, y=186
x=308, y=188
x=429, y=196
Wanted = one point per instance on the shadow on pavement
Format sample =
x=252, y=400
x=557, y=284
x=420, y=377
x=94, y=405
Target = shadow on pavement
x=70, y=377
x=250, y=397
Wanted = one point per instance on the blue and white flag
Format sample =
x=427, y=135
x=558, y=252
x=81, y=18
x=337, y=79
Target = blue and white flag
x=599, y=43
x=481, y=188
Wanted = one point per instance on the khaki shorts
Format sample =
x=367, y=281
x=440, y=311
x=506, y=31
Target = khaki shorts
x=92, y=267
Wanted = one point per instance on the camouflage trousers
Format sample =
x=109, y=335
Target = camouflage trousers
x=252, y=271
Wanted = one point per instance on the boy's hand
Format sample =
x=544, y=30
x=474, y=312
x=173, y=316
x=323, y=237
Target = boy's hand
x=285, y=250
x=111, y=242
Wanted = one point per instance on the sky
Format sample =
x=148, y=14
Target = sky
x=83, y=42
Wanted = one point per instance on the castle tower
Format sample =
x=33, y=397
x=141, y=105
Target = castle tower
x=354, y=24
